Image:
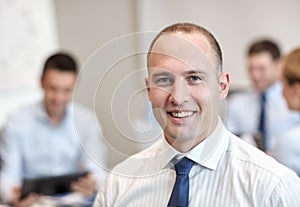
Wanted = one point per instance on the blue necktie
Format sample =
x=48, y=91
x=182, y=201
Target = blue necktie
x=261, y=127
x=180, y=193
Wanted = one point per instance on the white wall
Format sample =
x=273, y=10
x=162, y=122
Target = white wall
x=27, y=36
x=234, y=23
x=97, y=33
x=100, y=33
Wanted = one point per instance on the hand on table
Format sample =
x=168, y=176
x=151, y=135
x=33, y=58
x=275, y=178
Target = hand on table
x=25, y=202
x=85, y=185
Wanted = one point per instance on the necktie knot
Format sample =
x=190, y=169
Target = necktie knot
x=184, y=166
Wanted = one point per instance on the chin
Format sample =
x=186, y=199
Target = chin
x=58, y=111
x=181, y=136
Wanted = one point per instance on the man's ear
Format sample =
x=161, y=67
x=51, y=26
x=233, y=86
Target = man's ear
x=224, y=84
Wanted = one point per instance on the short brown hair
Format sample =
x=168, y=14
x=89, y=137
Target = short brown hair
x=189, y=28
x=60, y=61
x=265, y=45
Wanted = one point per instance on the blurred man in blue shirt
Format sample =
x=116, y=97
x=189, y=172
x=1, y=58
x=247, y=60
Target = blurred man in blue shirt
x=52, y=137
x=245, y=115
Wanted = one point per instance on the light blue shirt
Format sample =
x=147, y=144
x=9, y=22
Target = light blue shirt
x=287, y=149
x=32, y=147
x=227, y=172
x=242, y=113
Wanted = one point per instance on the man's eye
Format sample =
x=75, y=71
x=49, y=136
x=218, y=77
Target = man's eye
x=51, y=89
x=163, y=81
x=194, y=79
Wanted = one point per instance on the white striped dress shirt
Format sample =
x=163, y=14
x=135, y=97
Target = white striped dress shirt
x=227, y=172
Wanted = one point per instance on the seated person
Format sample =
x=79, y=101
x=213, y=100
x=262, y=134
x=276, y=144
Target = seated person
x=52, y=137
x=263, y=110
x=287, y=148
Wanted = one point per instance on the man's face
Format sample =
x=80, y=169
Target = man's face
x=58, y=88
x=184, y=88
x=263, y=70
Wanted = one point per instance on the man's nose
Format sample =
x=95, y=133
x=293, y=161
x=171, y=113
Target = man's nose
x=59, y=95
x=179, y=92
x=255, y=73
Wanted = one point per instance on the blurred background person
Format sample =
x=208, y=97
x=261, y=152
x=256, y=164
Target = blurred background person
x=261, y=115
x=287, y=147
x=52, y=137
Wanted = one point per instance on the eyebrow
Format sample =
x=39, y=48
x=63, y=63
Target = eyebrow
x=190, y=72
x=163, y=73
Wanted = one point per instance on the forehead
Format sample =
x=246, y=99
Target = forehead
x=192, y=49
x=58, y=77
x=261, y=57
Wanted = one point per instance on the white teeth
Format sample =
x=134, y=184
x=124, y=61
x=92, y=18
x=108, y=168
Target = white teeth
x=182, y=114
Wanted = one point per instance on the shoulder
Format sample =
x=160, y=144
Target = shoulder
x=82, y=113
x=129, y=172
x=79, y=108
x=253, y=162
x=24, y=114
x=140, y=164
x=263, y=173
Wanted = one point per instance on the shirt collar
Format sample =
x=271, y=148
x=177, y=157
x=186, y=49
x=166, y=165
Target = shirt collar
x=208, y=153
x=167, y=154
x=273, y=90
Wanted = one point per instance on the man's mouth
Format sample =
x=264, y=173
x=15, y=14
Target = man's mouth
x=181, y=114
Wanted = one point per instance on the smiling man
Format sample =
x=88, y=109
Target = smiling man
x=184, y=87
x=199, y=162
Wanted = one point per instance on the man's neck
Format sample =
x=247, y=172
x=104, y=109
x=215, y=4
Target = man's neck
x=184, y=145
x=56, y=120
